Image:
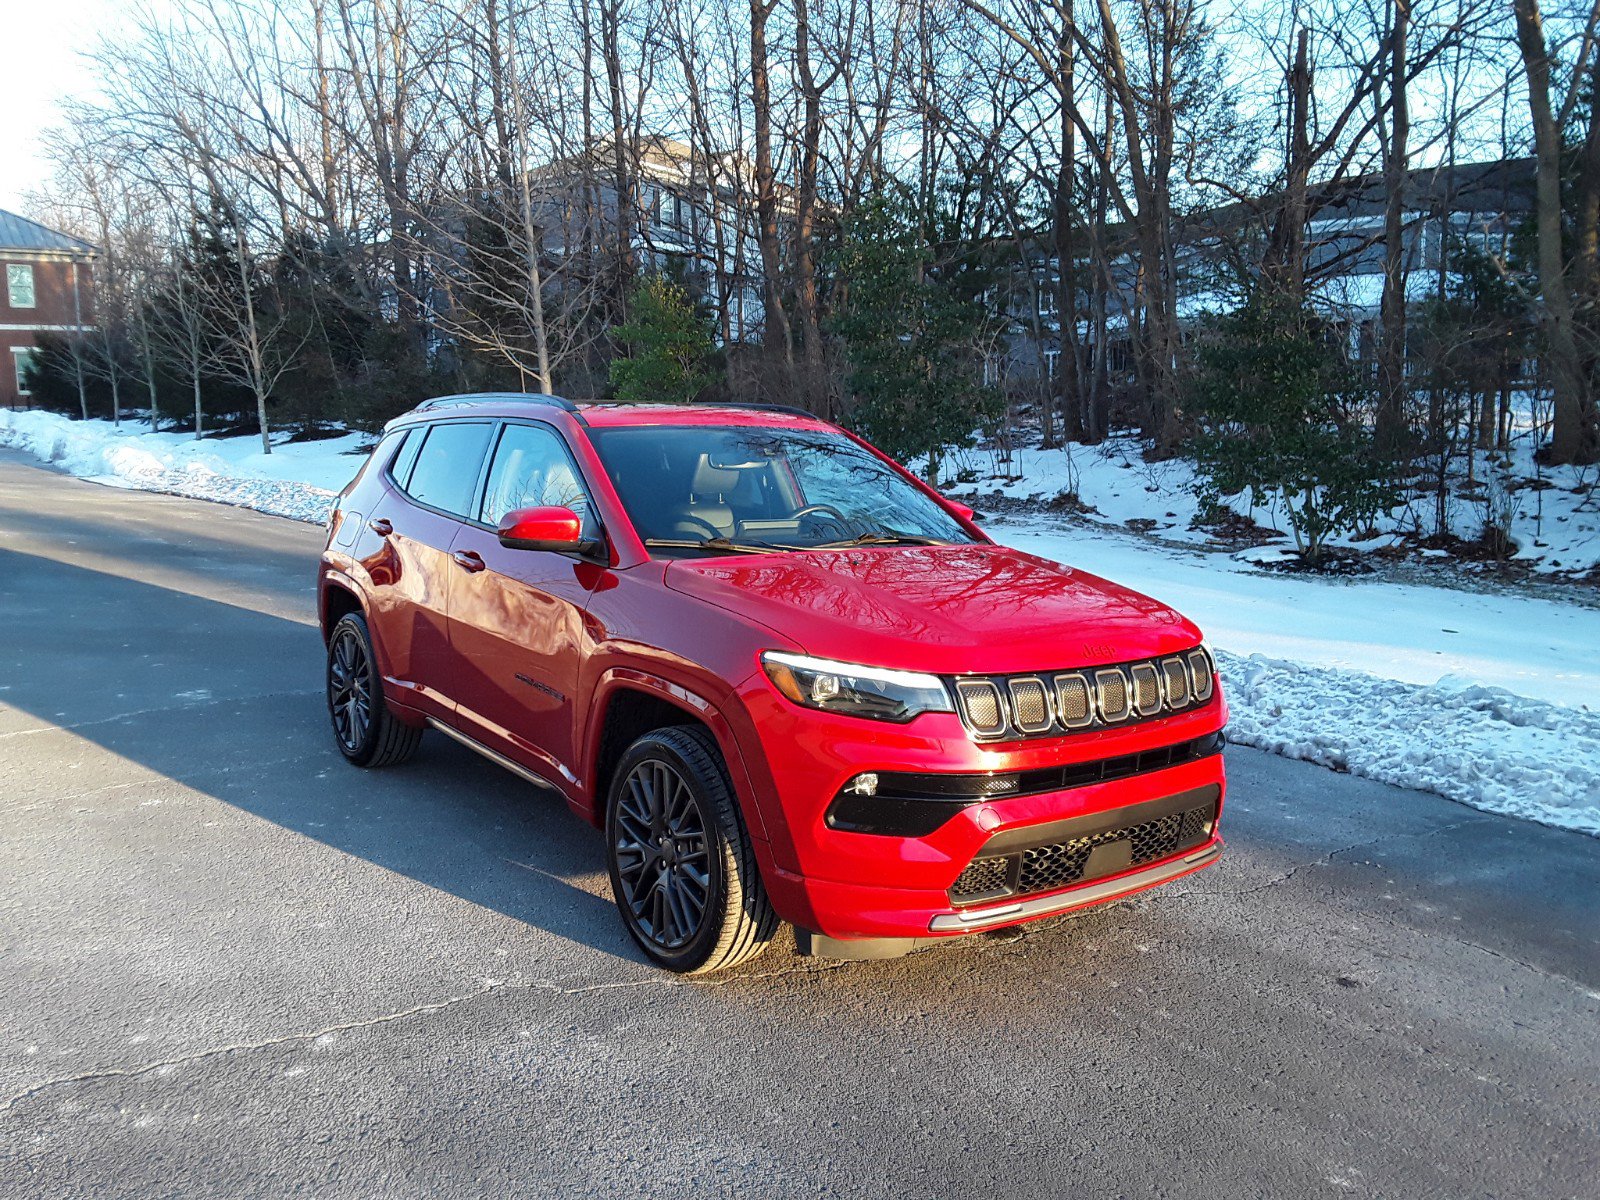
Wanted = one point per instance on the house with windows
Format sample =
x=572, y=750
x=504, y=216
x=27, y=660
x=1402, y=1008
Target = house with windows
x=46, y=289
x=690, y=211
x=1472, y=208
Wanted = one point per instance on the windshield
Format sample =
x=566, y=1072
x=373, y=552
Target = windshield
x=720, y=489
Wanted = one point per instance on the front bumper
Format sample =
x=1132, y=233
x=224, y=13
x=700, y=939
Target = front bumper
x=1082, y=896
x=843, y=885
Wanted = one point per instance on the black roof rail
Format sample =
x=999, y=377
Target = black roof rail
x=777, y=408
x=790, y=409
x=466, y=398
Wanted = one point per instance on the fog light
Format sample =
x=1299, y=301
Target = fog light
x=862, y=785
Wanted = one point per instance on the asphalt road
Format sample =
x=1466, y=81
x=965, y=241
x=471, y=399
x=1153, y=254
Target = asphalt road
x=231, y=965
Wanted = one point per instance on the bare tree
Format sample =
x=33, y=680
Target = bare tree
x=1574, y=436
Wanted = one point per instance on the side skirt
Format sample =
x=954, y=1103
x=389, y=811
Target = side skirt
x=494, y=756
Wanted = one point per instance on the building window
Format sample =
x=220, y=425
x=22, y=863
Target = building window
x=19, y=285
x=23, y=359
x=1052, y=363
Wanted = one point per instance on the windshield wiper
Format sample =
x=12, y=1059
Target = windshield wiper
x=882, y=538
x=718, y=544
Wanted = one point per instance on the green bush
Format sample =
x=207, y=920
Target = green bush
x=1279, y=419
x=669, y=346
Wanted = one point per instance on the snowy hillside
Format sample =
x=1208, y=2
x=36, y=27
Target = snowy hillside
x=1492, y=700
x=1554, y=513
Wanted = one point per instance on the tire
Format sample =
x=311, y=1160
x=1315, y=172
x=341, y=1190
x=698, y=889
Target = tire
x=364, y=729
x=655, y=882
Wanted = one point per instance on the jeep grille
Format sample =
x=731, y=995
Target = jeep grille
x=1006, y=707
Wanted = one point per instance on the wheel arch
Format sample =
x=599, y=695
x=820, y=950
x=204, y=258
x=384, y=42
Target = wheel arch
x=630, y=703
x=340, y=597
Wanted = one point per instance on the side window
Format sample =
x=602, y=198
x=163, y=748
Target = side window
x=19, y=285
x=532, y=468
x=446, y=470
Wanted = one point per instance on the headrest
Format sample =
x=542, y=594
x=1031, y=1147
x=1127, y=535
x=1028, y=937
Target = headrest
x=709, y=480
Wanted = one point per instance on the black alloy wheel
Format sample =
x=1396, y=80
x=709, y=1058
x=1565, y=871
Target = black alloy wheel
x=663, y=860
x=683, y=870
x=349, y=689
x=364, y=729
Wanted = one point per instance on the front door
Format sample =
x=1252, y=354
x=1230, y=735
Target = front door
x=516, y=621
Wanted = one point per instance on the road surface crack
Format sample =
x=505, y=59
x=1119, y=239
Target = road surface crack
x=490, y=987
x=1322, y=860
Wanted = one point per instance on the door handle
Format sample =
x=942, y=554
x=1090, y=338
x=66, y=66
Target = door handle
x=380, y=527
x=468, y=559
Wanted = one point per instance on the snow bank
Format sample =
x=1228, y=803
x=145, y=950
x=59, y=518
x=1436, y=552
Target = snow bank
x=1481, y=746
x=1492, y=700
x=297, y=480
x=1544, y=649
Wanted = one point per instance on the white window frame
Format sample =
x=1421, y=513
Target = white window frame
x=14, y=272
x=1052, y=363
x=21, y=358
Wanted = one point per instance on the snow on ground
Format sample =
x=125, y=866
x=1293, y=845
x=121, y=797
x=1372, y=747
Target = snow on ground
x=297, y=480
x=1492, y=700
x=1554, y=511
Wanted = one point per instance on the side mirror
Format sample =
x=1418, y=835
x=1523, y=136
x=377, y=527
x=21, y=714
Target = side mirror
x=545, y=528
x=961, y=510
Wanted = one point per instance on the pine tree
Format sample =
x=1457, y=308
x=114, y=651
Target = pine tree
x=669, y=346
x=910, y=327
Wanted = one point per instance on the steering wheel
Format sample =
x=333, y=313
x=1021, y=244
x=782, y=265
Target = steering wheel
x=813, y=509
x=688, y=527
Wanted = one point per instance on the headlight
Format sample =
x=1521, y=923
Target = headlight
x=856, y=691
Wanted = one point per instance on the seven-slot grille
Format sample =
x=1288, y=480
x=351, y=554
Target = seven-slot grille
x=1037, y=705
x=1059, y=864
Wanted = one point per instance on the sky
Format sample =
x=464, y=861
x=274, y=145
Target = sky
x=45, y=63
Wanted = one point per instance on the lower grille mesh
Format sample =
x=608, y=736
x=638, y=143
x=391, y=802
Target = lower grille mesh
x=1062, y=864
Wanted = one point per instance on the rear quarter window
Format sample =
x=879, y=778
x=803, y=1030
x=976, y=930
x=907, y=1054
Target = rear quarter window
x=404, y=456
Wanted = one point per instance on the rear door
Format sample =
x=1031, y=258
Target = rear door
x=517, y=630
x=431, y=486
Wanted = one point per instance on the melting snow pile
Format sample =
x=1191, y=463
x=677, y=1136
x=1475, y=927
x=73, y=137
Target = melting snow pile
x=1316, y=679
x=1482, y=746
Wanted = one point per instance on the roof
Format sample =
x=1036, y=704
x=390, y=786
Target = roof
x=19, y=233
x=1502, y=186
x=606, y=414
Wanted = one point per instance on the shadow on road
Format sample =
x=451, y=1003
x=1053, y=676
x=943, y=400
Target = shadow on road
x=227, y=701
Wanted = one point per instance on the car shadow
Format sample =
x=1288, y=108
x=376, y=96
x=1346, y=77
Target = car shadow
x=226, y=701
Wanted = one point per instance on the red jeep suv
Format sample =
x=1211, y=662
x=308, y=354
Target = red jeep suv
x=785, y=678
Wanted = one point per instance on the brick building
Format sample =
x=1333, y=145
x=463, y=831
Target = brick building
x=45, y=287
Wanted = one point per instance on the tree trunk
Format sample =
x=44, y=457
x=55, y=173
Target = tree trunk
x=621, y=151
x=77, y=342
x=1391, y=423
x=1284, y=268
x=1571, y=438
x=775, y=320
x=1069, y=368
x=805, y=270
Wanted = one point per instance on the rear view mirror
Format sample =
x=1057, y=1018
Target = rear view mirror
x=544, y=528
x=961, y=510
